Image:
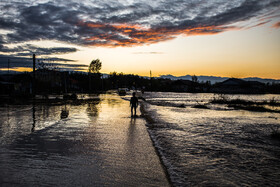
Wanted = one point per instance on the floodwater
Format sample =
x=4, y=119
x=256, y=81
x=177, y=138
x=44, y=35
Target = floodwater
x=218, y=146
x=97, y=144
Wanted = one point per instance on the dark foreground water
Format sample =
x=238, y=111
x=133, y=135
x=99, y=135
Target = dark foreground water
x=98, y=144
x=217, y=146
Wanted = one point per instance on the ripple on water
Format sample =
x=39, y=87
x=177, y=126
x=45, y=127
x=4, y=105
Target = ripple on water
x=216, y=147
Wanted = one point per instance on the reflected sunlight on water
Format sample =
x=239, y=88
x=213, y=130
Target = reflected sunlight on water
x=97, y=144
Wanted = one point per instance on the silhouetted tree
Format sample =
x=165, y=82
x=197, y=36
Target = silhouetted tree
x=94, y=75
x=95, y=66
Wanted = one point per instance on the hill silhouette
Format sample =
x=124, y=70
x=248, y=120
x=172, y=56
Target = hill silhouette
x=215, y=79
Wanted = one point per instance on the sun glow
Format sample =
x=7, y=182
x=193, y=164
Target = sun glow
x=20, y=69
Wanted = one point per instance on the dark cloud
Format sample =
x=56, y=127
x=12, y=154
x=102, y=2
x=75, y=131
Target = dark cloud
x=19, y=62
x=15, y=62
x=28, y=50
x=112, y=23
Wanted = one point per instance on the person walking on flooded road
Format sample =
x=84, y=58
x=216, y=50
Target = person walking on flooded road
x=133, y=104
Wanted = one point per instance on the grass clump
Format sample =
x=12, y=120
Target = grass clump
x=253, y=108
x=200, y=106
x=256, y=106
x=182, y=106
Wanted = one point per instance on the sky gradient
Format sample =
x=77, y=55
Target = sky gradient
x=235, y=38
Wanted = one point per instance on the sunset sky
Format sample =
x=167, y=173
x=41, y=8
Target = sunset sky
x=236, y=38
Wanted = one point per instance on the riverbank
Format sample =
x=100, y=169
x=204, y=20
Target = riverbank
x=98, y=144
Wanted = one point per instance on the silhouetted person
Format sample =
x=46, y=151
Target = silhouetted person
x=133, y=104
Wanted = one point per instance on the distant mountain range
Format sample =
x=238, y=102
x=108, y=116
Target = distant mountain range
x=214, y=79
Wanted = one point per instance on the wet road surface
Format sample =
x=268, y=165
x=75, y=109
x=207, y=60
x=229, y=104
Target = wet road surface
x=98, y=144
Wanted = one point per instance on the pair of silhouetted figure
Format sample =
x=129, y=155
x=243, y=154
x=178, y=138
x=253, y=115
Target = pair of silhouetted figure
x=133, y=104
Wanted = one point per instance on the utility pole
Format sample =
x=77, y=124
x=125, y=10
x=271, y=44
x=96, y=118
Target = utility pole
x=9, y=86
x=33, y=80
x=150, y=80
x=9, y=67
x=33, y=94
x=34, y=60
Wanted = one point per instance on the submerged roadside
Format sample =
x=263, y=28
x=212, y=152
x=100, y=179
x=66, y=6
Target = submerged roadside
x=149, y=124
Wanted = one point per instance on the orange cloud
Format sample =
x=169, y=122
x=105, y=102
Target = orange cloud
x=276, y=25
x=114, y=35
x=126, y=26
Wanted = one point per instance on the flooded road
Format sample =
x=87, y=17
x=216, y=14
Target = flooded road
x=98, y=144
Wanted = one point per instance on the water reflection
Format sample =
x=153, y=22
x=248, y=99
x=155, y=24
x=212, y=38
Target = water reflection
x=131, y=134
x=93, y=108
x=50, y=133
x=132, y=121
x=64, y=112
x=112, y=102
x=34, y=117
